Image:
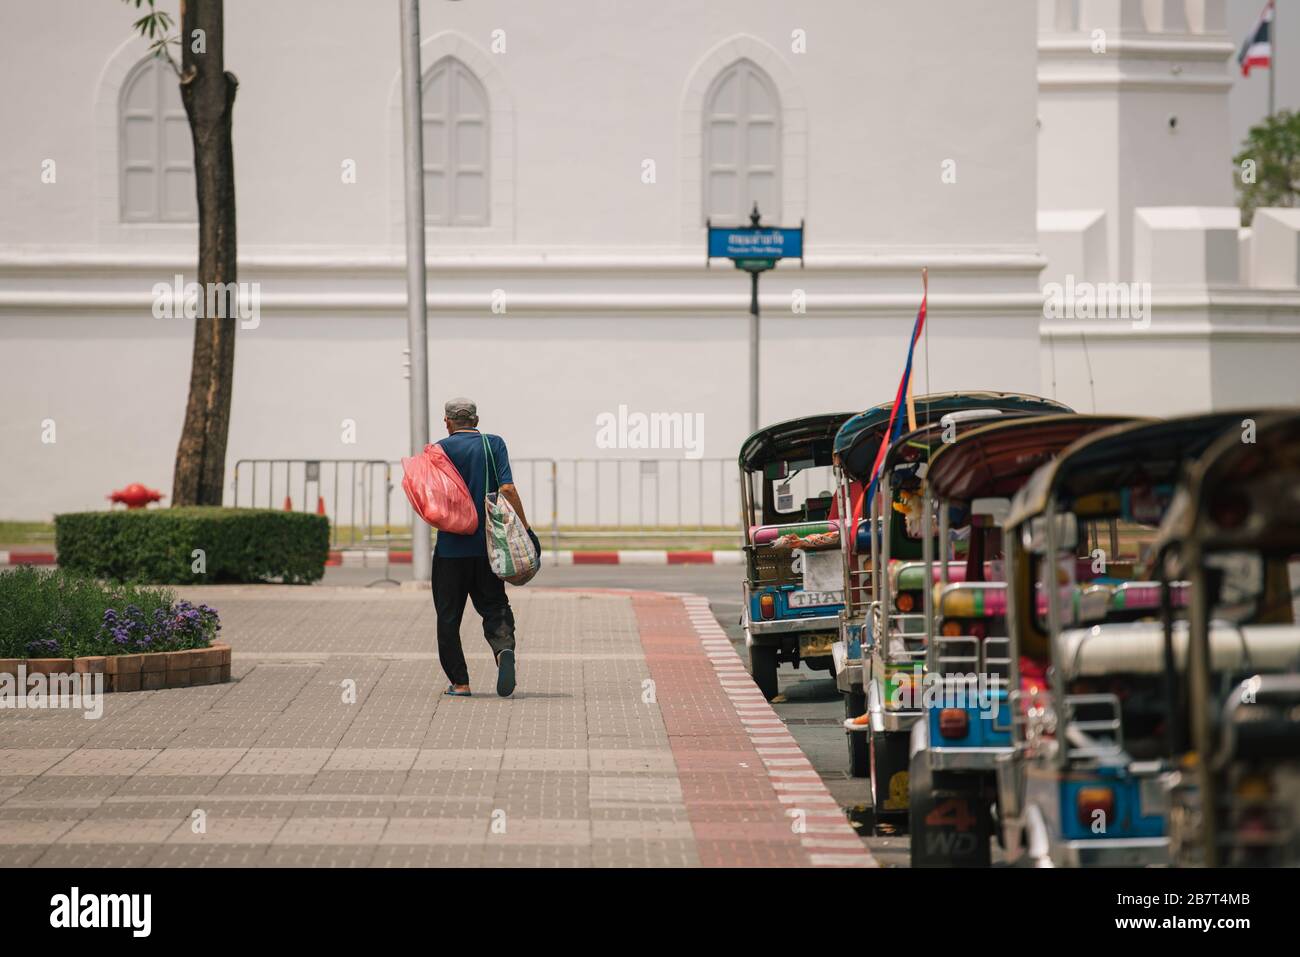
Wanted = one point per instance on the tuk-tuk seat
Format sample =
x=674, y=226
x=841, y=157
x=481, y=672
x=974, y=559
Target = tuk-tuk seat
x=1138, y=648
x=967, y=600
x=910, y=576
x=766, y=534
x=1145, y=596
x=1127, y=600
x=973, y=600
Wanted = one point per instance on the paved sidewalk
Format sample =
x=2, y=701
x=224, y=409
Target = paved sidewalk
x=636, y=738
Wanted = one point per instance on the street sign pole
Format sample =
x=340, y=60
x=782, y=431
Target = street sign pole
x=416, y=319
x=755, y=250
x=753, y=352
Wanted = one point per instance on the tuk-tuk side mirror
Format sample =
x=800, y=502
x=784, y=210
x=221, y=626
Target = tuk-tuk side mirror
x=775, y=470
x=1065, y=532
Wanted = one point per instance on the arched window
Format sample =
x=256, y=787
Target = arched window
x=455, y=146
x=155, y=152
x=742, y=145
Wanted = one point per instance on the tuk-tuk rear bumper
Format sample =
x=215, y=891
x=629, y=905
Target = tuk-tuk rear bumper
x=809, y=641
x=966, y=759
x=792, y=625
x=1114, y=852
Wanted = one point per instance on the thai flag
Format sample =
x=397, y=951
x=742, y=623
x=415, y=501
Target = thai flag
x=1258, y=48
x=896, y=419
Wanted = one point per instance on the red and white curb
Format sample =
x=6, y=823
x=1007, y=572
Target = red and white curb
x=647, y=556
x=826, y=833
x=365, y=558
x=371, y=557
x=374, y=557
x=23, y=557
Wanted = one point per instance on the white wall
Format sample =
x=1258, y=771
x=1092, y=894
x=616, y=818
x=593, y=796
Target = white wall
x=114, y=383
x=1110, y=80
x=593, y=92
x=1110, y=163
x=608, y=301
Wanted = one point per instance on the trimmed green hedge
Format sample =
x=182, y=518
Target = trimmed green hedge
x=158, y=544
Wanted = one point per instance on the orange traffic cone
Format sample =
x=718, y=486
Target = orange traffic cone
x=320, y=504
x=288, y=504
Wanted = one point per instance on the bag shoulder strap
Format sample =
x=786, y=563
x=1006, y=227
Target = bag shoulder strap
x=493, y=473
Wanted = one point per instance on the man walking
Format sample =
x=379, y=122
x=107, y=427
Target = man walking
x=460, y=562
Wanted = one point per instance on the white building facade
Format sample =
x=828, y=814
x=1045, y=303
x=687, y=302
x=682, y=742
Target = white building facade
x=572, y=156
x=1136, y=196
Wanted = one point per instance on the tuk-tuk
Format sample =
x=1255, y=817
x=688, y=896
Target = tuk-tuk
x=1233, y=533
x=1092, y=702
x=966, y=724
x=792, y=597
x=881, y=634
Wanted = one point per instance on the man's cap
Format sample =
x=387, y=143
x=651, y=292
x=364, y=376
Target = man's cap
x=461, y=409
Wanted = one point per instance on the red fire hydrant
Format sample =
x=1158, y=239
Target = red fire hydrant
x=135, y=495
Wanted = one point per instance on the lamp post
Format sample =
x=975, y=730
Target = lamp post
x=416, y=315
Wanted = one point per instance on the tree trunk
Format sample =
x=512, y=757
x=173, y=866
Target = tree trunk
x=208, y=93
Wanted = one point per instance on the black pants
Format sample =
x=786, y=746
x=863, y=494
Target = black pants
x=454, y=580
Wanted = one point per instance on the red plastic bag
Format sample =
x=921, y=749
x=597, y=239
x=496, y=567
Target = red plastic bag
x=435, y=489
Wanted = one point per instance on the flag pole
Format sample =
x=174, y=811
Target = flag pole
x=1272, y=59
x=925, y=297
x=911, y=406
x=417, y=331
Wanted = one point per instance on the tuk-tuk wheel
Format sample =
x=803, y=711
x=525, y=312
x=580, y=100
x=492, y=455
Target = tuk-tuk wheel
x=762, y=668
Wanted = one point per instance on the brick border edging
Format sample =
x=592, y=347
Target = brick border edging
x=148, y=671
x=827, y=839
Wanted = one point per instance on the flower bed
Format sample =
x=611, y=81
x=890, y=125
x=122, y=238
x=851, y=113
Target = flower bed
x=139, y=638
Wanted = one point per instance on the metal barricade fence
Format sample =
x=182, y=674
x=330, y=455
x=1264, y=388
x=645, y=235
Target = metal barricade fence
x=577, y=498
x=356, y=495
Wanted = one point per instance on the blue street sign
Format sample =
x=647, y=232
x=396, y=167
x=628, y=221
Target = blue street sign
x=747, y=242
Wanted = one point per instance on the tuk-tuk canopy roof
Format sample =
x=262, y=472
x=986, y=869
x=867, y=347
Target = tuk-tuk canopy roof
x=1242, y=494
x=858, y=439
x=994, y=459
x=791, y=440
x=1138, y=452
x=923, y=443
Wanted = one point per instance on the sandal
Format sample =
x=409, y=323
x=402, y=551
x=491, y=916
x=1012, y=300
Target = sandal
x=506, y=673
x=451, y=690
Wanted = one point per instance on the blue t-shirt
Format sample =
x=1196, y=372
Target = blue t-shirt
x=465, y=449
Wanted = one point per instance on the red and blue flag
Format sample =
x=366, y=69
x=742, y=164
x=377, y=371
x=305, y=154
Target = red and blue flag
x=896, y=418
